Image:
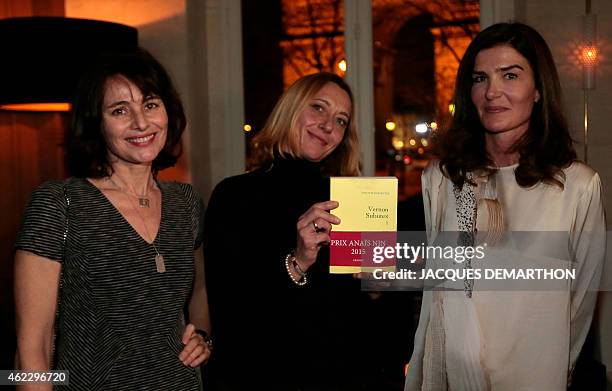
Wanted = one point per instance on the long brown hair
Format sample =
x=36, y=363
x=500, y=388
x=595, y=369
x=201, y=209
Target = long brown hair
x=544, y=150
x=280, y=137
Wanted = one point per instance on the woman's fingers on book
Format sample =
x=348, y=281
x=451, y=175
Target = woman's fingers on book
x=316, y=218
x=323, y=239
x=321, y=225
x=325, y=215
x=314, y=227
x=327, y=205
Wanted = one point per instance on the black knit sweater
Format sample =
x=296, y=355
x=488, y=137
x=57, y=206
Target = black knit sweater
x=270, y=333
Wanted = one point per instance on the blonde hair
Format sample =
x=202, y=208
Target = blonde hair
x=280, y=136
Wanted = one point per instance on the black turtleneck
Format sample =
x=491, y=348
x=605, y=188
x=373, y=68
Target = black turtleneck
x=270, y=333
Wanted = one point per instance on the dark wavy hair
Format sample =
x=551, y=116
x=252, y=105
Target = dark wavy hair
x=545, y=148
x=87, y=152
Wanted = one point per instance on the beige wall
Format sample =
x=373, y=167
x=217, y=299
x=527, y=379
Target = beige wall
x=200, y=44
x=560, y=22
x=162, y=30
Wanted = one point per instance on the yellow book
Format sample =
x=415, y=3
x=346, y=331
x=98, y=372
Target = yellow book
x=368, y=214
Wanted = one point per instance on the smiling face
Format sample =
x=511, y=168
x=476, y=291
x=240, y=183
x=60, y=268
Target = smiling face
x=503, y=91
x=322, y=122
x=134, y=126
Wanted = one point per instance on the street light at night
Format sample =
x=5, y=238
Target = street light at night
x=397, y=144
x=421, y=128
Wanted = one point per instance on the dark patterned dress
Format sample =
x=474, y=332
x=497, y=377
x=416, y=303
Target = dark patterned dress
x=120, y=322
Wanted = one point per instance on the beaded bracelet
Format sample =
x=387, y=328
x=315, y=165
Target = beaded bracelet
x=290, y=258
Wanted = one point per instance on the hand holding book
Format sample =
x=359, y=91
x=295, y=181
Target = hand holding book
x=313, y=230
x=368, y=208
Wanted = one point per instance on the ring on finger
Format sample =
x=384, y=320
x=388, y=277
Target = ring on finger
x=316, y=227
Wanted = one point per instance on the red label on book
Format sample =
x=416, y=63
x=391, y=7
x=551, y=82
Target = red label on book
x=363, y=250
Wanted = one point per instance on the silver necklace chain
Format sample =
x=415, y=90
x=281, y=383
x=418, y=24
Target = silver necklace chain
x=143, y=200
x=160, y=263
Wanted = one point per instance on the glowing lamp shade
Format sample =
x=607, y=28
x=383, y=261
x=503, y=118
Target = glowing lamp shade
x=37, y=107
x=44, y=57
x=588, y=56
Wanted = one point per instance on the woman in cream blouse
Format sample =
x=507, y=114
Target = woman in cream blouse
x=507, y=165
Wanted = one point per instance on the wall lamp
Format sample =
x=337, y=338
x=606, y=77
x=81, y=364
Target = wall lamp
x=589, y=56
x=44, y=57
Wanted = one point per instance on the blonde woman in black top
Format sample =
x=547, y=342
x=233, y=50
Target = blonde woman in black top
x=279, y=319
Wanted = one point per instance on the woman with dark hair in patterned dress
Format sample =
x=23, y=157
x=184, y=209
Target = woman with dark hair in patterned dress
x=114, y=251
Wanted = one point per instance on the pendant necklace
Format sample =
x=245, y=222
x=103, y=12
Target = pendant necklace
x=160, y=263
x=143, y=200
